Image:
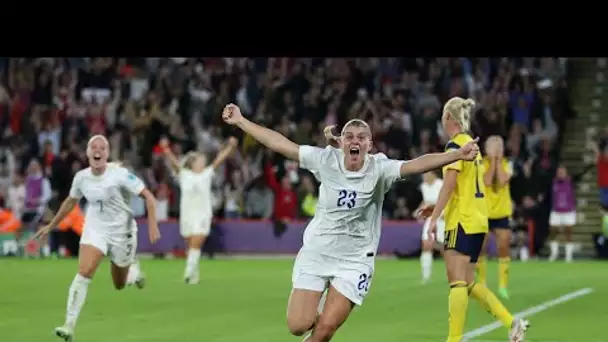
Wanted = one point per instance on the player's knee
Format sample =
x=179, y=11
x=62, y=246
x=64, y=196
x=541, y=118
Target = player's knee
x=299, y=327
x=119, y=285
x=86, y=270
x=325, y=329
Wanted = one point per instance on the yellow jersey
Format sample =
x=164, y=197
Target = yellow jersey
x=467, y=204
x=498, y=199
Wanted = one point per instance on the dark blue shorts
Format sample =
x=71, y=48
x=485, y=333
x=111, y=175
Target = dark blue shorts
x=604, y=197
x=463, y=243
x=500, y=223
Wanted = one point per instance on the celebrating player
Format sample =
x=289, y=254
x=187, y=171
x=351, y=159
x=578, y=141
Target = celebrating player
x=496, y=177
x=196, y=212
x=109, y=225
x=466, y=225
x=430, y=187
x=341, y=241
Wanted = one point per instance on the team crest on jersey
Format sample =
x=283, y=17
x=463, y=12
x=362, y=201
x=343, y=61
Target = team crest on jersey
x=131, y=177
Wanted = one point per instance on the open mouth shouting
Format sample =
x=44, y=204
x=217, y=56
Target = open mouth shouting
x=97, y=156
x=354, y=151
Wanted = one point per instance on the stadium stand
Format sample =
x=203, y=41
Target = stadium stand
x=50, y=106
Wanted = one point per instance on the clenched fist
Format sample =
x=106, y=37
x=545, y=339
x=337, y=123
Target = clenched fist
x=232, y=114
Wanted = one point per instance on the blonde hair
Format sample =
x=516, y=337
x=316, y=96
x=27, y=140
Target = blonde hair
x=355, y=123
x=189, y=160
x=95, y=137
x=460, y=110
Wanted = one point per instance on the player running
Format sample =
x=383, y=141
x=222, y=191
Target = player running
x=196, y=212
x=496, y=177
x=109, y=225
x=430, y=187
x=466, y=225
x=341, y=241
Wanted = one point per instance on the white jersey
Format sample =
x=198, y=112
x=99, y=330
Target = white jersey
x=108, y=196
x=348, y=215
x=430, y=192
x=196, y=200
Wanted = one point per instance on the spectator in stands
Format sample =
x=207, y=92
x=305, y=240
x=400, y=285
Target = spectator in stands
x=600, y=151
x=308, y=197
x=285, y=198
x=259, y=201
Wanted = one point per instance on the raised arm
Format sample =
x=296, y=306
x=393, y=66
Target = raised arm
x=490, y=173
x=267, y=137
x=502, y=176
x=225, y=152
x=174, y=163
x=433, y=161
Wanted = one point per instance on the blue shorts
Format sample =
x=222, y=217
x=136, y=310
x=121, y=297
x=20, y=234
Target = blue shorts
x=463, y=243
x=499, y=223
x=604, y=197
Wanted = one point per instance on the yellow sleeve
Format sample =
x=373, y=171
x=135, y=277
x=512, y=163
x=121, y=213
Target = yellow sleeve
x=451, y=146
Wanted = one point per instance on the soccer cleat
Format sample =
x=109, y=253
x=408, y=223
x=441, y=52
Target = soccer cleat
x=503, y=293
x=65, y=332
x=518, y=330
x=140, y=283
x=193, y=278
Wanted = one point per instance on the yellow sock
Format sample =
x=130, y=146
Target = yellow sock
x=482, y=269
x=503, y=272
x=491, y=304
x=457, y=305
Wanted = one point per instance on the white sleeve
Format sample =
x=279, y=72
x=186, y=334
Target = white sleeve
x=76, y=188
x=390, y=171
x=311, y=158
x=130, y=181
x=208, y=172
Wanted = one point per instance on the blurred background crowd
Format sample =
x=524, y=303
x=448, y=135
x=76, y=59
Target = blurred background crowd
x=49, y=107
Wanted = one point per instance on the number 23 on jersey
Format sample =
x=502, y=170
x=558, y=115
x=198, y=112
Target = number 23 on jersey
x=347, y=198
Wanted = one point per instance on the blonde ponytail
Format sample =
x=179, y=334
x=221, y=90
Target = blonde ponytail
x=461, y=111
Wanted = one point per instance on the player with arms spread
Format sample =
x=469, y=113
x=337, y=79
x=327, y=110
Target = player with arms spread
x=195, y=210
x=341, y=241
x=497, y=174
x=466, y=225
x=109, y=225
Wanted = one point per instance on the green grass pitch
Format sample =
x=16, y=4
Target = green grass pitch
x=245, y=300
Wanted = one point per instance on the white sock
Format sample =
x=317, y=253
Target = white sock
x=194, y=256
x=46, y=250
x=134, y=272
x=569, y=251
x=524, y=254
x=321, y=303
x=76, y=298
x=426, y=264
x=554, y=248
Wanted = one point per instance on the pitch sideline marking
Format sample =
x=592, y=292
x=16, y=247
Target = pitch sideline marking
x=529, y=312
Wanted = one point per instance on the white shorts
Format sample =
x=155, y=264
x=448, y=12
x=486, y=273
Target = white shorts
x=438, y=234
x=120, y=247
x=562, y=219
x=315, y=272
x=200, y=226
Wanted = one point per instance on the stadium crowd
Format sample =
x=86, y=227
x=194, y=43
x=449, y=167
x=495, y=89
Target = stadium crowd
x=50, y=106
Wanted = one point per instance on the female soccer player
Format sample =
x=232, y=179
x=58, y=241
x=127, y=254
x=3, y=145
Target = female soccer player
x=109, y=225
x=341, y=241
x=196, y=212
x=496, y=177
x=430, y=187
x=466, y=225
